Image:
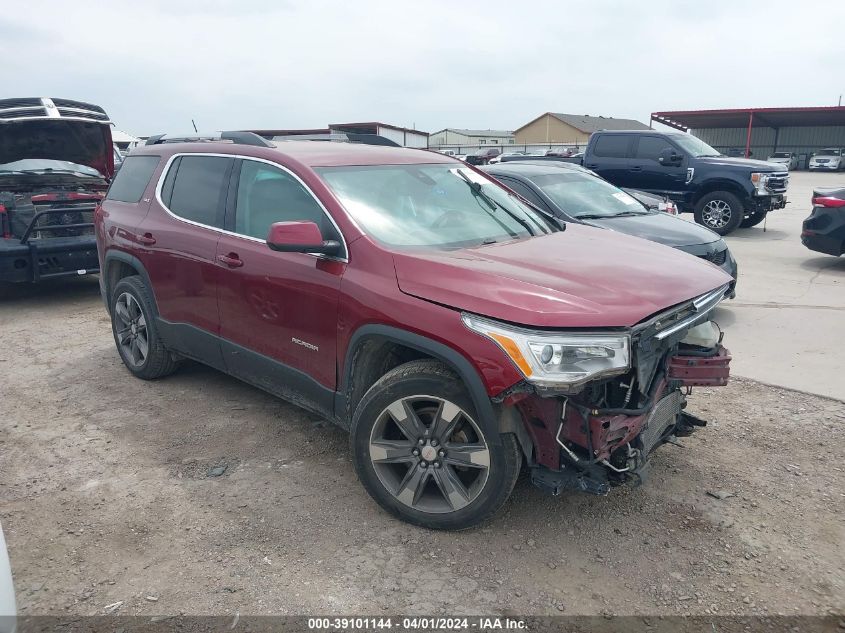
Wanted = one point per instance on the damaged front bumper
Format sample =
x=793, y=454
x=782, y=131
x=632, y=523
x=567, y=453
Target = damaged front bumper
x=583, y=447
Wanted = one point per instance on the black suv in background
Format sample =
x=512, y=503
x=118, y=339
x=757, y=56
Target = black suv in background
x=724, y=193
x=483, y=156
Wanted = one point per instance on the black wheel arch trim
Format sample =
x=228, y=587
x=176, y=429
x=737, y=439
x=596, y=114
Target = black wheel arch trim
x=126, y=258
x=459, y=363
x=714, y=185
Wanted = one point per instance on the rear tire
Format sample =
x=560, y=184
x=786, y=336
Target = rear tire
x=754, y=218
x=719, y=211
x=421, y=453
x=135, y=332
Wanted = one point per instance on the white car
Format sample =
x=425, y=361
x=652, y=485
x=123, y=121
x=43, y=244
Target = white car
x=828, y=159
x=784, y=158
x=8, y=617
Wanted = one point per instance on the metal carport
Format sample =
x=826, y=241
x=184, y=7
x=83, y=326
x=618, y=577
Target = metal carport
x=803, y=129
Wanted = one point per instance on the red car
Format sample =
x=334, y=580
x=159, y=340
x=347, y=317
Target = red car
x=456, y=331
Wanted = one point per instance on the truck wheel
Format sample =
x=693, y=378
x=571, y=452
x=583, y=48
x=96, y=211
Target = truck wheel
x=754, y=218
x=422, y=455
x=719, y=211
x=135, y=333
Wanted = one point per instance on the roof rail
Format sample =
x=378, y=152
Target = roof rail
x=341, y=137
x=238, y=138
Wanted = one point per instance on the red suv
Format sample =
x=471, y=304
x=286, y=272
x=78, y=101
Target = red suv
x=454, y=329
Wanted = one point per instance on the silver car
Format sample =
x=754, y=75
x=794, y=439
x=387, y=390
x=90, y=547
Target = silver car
x=784, y=158
x=828, y=159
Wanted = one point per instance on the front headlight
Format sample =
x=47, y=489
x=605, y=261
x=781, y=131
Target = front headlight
x=760, y=181
x=557, y=360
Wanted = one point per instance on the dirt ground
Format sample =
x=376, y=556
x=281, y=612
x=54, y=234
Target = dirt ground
x=105, y=498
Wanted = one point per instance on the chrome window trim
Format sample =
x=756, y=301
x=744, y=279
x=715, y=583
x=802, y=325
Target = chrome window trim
x=169, y=164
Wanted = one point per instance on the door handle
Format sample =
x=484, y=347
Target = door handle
x=231, y=260
x=636, y=168
x=147, y=239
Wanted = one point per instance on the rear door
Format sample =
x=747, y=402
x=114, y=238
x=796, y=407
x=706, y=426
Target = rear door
x=278, y=311
x=610, y=158
x=179, y=249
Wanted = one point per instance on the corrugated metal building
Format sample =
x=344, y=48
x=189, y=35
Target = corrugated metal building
x=759, y=132
x=459, y=136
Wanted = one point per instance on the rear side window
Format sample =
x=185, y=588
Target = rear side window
x=133, y=178
x=612, y=145
x=197, y=187
x=649, y=147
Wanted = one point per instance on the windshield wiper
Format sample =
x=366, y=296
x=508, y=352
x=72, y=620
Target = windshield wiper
x=627, y=214
x=475, y=187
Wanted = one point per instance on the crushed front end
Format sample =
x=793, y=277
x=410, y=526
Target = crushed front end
x=601, y=430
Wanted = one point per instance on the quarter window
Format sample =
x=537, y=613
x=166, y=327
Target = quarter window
x=267, y=194
x=133, y=178
x=197, y=190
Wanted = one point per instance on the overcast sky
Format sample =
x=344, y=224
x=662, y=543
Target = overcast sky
x=154, y=65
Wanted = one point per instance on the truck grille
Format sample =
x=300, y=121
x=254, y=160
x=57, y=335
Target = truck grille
x=661, y=418
x=29, y=108
x=84, y=114
x=778, y=182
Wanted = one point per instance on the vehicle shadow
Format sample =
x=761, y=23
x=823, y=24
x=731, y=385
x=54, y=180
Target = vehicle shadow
x=50, y=291
x=756, y=233
x=724, y=316
x=829, y=263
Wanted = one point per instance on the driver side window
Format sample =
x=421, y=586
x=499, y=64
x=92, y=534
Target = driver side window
x=650, y=147
x=267, y=194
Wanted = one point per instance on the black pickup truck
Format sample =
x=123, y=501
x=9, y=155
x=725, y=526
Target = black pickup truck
x=724, y=193
x=56, y=161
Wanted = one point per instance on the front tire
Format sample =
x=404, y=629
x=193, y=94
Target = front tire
x=134, y=329
x=422, y=454
x=719, y=211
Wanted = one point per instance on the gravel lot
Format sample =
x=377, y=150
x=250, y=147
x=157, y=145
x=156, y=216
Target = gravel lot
x=105, y=497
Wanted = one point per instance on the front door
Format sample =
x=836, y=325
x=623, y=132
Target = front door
x=653, y=176
x=278, y=311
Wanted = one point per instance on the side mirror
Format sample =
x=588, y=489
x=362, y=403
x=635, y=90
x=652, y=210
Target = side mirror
x=300, y=237
x=669, y=157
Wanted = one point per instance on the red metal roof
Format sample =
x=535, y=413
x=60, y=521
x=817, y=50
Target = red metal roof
x=763, y=117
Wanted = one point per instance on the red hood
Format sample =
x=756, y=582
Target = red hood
x=581, y=277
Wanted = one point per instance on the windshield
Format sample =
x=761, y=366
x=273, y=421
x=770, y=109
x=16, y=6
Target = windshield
x=582, y=195
x=693, y=145
x=45, y=165
x=431, y=205
x=828, y=152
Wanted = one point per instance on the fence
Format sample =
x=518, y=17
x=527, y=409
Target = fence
x=510, y=148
